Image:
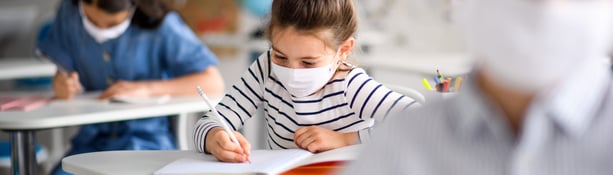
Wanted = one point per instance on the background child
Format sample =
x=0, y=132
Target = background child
x=312, y=99
x=126, y=48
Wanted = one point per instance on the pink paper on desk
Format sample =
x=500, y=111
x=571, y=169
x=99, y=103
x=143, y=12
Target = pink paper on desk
x=8, y=102
x=23, y=103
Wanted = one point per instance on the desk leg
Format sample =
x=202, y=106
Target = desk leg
x=23, y=155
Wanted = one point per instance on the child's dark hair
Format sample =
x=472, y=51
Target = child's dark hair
x=148, y=14
x=311, y=16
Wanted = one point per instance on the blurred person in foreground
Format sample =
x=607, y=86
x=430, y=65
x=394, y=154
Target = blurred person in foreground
x=538, y=100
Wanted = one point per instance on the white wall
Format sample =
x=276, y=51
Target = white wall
x=20, y=21
x=408, y=27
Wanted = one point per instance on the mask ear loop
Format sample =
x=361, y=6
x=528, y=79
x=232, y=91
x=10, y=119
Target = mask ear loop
x=338, y=61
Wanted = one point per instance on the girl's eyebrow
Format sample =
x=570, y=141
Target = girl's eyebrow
x=277, y=50
x=307, y=57
x=310, y=57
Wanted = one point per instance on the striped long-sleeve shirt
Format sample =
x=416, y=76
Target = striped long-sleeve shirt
x=345, y=104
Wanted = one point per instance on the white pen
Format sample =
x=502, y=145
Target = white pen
x=219, y=118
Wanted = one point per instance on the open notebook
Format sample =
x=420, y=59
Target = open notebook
x=262, y=162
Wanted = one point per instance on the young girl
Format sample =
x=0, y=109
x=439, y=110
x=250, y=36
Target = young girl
x=312, y=99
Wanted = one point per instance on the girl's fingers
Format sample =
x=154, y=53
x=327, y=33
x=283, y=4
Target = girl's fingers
x=307, y=142
x=225, y=142
x=75, y=80
x=230, y=156
x=110, y=92
x=300, y=137
x=314, y=146
x=228, y=150
x=245, y=145
x=300, y=131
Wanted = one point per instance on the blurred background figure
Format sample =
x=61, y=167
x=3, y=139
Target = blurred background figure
x=126, y=48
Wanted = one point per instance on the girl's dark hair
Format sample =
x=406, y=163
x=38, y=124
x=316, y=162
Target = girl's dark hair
x=148, y=14
x=311, y=16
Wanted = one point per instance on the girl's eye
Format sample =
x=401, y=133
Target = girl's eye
x=279, y=57
x=308, y=63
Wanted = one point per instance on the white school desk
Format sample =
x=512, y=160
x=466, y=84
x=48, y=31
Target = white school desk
x=82, y=110
x=426, y=64
x=121, y=162
x=15, y=68
x=147, y=162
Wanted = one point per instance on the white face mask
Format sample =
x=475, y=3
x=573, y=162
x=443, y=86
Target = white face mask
x=304, y=82
x=103, y=35
x=530, y=46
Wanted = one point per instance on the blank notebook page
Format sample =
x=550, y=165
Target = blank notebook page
x=262, y=162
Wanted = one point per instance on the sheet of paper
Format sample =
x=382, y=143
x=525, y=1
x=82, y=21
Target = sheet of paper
x=341, y=154
x=142, y=100
x=262, y=162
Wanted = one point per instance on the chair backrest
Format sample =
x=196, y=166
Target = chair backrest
x=409, y=92
x=182, y=126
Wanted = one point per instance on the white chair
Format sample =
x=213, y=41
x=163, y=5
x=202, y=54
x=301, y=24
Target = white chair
x=409, y=92
x=182, y=126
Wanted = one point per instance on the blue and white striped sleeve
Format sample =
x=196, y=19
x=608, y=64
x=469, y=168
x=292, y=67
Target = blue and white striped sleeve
x=370, y=100
x=239, y=103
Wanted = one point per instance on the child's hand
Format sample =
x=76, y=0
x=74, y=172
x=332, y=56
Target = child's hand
x=219, y=144
x=318, y=139
x=66, y=86
x=127, y=89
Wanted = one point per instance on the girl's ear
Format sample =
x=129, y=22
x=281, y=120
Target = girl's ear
x=346, y=48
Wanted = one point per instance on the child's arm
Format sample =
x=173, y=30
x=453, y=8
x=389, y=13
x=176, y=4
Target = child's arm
x=238, y=105
x=318, y=139
x=210, y=80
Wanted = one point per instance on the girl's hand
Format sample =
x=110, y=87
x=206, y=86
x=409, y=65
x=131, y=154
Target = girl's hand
x=219, y=144
x=318, y=139
x=127, y=89
x=66, y=86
